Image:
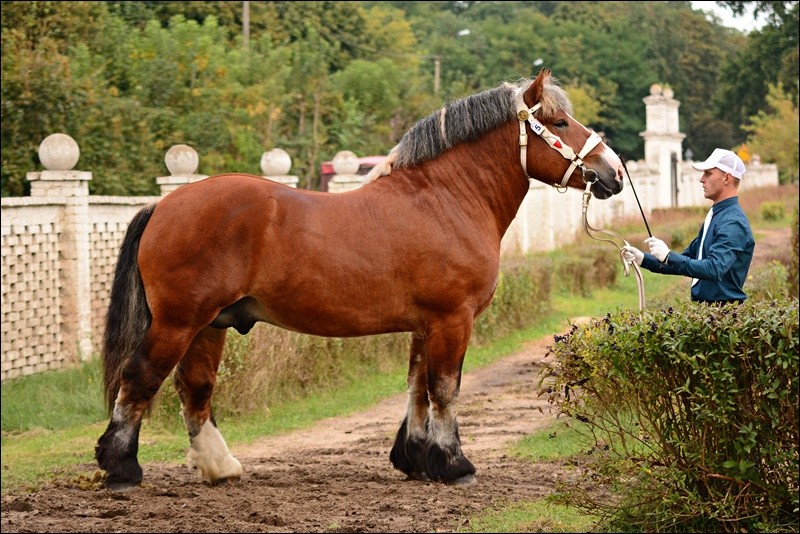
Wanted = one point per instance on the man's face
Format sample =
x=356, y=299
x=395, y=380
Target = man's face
x=714, y=182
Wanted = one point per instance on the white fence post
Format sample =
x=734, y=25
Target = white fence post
x=59, y=153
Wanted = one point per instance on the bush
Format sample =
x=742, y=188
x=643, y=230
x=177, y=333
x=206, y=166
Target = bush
x=768, y=282
x=587, y=268
x=697, y=408
x=772, y=211
x=794, y=270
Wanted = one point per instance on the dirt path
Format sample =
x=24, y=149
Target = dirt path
x=335, y=476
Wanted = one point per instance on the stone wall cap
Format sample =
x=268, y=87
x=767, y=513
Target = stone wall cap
x=59, y=176
x=124, y=201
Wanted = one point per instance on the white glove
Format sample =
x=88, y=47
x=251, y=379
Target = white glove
x=632, y=254
x=658, y=248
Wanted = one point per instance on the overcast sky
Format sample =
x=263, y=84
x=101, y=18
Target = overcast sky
x=745, y=23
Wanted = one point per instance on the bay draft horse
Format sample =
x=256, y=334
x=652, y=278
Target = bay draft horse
x=416, y=249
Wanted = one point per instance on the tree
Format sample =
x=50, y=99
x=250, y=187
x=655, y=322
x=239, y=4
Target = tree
x=774, y=134
x=40, y=95
x=769, y=57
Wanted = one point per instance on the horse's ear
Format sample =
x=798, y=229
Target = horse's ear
x=534, y=92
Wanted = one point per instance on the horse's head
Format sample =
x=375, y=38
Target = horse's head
x=557, y=149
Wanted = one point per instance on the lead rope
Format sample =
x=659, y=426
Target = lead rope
x=587, y=194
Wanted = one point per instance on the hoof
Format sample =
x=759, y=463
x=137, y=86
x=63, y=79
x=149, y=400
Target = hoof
x=422, y=477
x=467, y=480
x=126, y=476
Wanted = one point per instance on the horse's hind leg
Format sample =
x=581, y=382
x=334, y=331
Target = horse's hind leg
x=141, y=377
x=195, y=378
x=410, y=446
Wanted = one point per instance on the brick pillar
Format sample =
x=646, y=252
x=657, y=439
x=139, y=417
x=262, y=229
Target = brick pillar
x=59, y=153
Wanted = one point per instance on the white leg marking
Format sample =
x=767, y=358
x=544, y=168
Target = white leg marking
x=121, y=416
x=209, y=454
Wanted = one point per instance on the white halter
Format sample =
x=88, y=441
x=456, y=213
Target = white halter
x=576, y=160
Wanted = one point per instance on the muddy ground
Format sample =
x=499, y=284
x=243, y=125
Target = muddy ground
x=335, y=476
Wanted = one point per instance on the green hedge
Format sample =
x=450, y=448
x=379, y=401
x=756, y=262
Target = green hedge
x=696, y=410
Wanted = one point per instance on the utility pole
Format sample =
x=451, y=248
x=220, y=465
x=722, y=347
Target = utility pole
x=246, y=24
x=437, y=72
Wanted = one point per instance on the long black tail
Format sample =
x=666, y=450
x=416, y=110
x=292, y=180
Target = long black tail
x=128, y=316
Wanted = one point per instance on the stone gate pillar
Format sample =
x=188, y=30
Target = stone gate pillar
x=662, y=143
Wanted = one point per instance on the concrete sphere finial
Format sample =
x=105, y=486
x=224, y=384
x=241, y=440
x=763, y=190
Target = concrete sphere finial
x=655, y=89
x=59, y=152
x=276, y=162
x=182, y=159
x=345, y=162
x=668, y=92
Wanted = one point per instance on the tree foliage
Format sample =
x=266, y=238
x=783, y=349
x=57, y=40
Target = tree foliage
x=770, y=56
x=774, y=134
x=129, y=79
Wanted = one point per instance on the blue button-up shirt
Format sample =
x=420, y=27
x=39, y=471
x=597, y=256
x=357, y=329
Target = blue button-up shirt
x=727, y=253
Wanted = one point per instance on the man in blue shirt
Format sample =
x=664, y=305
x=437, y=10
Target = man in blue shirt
x=719, y=257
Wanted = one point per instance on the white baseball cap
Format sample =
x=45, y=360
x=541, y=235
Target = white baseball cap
x=724, y=160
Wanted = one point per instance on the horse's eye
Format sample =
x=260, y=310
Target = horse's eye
x=561, y=124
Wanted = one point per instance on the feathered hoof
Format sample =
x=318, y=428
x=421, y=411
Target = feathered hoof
x=215, y=470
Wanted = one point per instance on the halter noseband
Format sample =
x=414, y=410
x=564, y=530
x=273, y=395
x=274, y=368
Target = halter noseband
x=576, y=160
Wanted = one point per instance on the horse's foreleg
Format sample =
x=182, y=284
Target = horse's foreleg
x=410, y=446
x=142, y=375
x=445, y=345
x=195, y=378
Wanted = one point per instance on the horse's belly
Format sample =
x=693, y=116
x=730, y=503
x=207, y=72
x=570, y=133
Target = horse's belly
x=336, y=321
x=323, y=311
